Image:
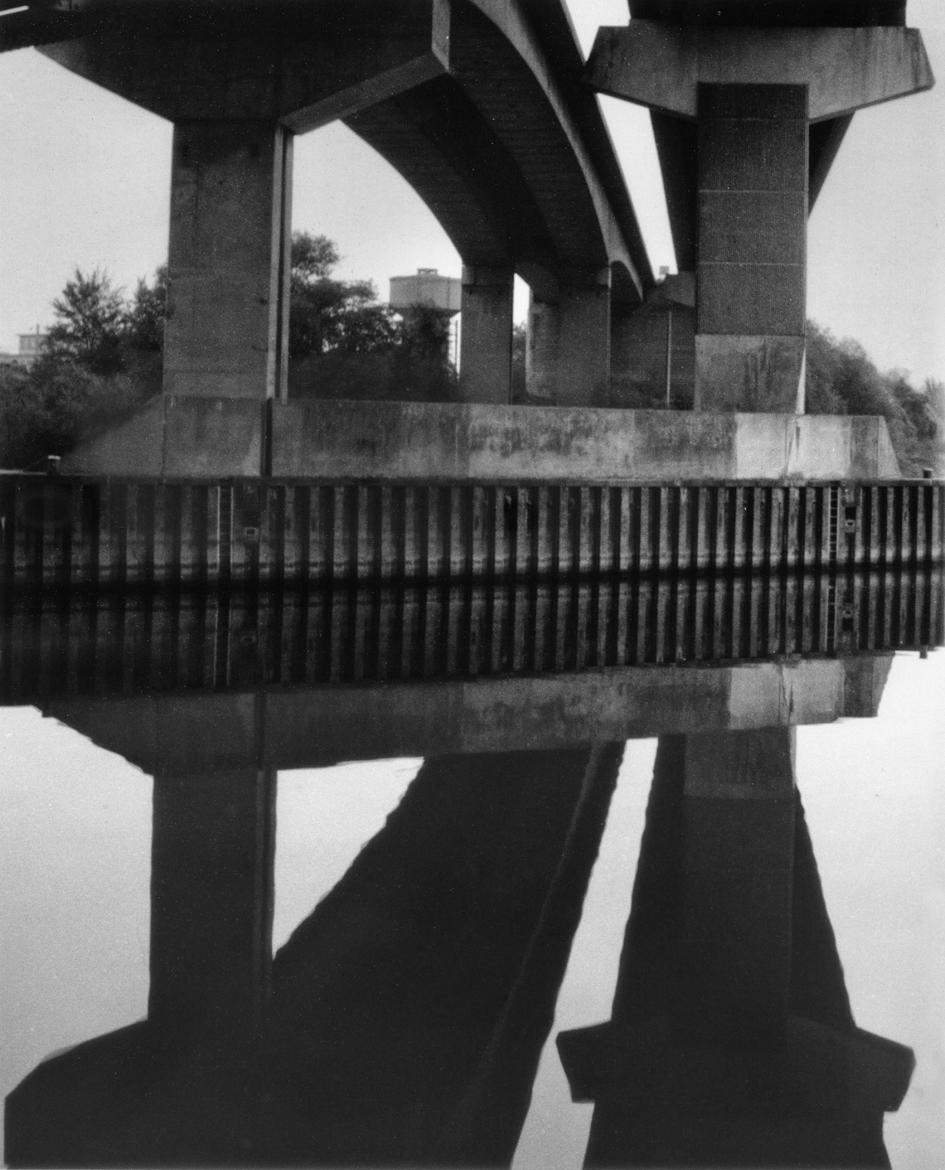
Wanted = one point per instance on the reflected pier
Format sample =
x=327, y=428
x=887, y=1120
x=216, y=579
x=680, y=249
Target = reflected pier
x=404, y=1020
x=732, y=1040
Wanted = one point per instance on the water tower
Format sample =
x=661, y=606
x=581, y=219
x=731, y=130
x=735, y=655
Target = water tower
x=429, y=290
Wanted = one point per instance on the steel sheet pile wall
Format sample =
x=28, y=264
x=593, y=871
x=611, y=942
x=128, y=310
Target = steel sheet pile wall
x=65, y=532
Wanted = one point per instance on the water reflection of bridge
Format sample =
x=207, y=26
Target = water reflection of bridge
x=403, y=1020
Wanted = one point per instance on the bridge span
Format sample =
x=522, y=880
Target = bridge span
x=479, y=104
x=488, y=111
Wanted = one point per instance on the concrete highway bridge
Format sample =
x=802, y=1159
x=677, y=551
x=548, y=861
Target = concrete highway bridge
x=479, y=105
x=509, y=590
x=485, y=107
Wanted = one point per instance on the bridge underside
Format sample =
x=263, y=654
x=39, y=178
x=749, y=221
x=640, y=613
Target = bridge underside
x=479, y=105
x=482, y=106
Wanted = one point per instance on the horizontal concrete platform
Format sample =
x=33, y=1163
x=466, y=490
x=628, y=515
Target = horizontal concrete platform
x=198, y=437
x=320, y=726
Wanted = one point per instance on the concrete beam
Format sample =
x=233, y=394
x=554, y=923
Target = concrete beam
x=661, y=66
x=299, y=63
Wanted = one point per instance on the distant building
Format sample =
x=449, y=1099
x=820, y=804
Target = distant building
x=30, y=348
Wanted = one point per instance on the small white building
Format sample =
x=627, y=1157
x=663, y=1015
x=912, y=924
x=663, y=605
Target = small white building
x=30, y=348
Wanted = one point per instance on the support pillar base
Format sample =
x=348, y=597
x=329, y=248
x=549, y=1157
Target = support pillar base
x=752, y=374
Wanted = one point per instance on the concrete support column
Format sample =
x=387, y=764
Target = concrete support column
x=752, y=246
x=227, y=329
x=486, y=343
x=568, y=354
x=211, y=903
x=652, y=346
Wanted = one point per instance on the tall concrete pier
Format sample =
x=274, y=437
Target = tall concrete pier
x=749, y=105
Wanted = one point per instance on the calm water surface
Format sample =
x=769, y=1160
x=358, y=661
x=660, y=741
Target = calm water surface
x=462, y=870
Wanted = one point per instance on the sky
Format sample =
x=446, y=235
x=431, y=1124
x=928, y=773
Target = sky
x=86, y=176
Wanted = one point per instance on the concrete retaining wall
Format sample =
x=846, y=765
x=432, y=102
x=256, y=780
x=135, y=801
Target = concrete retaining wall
x=199, y=437
x=387, y=440
x=177, y=436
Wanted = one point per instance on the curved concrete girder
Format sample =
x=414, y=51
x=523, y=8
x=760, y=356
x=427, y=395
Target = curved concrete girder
x=306, y=64
x=499, y=135
x=553, y=128
x=435, y=139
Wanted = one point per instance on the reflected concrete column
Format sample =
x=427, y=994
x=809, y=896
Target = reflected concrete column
x=211, y=903
x=737, y=874
x=752, y=247
x=568, y=354
x=486, y=344
x=731, y=1041
x=227, y=328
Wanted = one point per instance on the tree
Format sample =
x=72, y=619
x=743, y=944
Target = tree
x=144, y=318
x=47, y=409
x=841, y=379
x=327, y=314
x=90, y=323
